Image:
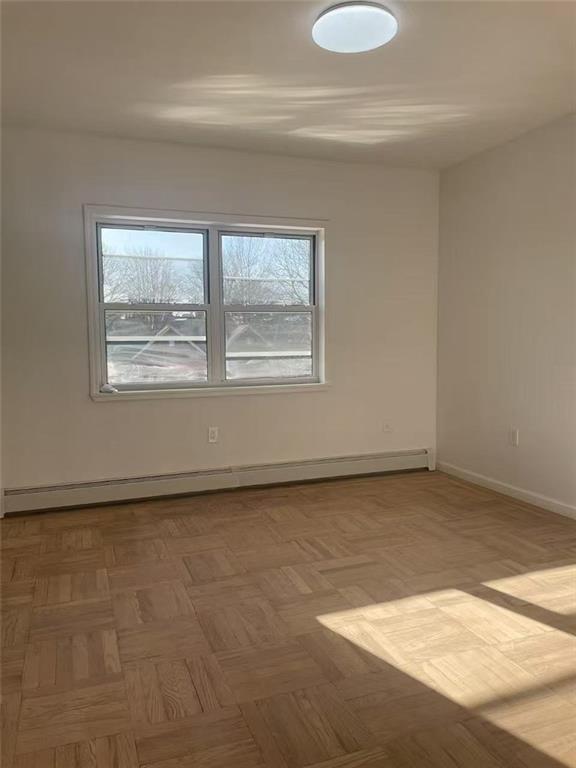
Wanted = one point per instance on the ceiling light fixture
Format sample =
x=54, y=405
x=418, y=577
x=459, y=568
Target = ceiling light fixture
x=354, y=27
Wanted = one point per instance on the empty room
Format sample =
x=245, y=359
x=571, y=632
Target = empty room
x=288, y=382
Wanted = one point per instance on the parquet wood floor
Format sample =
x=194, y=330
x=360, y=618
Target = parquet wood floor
x=386, y=622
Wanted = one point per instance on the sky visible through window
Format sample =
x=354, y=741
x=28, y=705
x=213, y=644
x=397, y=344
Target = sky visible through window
x=172, y=245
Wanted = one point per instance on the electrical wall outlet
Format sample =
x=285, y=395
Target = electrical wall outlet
x=514, y=437
x=213, y=434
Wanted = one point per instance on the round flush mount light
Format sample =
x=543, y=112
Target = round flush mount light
x=354, y=27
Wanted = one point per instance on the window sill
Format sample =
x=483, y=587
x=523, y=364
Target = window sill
x=231, y=391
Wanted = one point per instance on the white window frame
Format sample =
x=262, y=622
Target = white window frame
x=214, y=226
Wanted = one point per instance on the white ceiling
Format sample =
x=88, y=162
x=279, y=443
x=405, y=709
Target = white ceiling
x=459, y=77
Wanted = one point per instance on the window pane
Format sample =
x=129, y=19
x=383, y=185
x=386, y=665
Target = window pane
x=150, y=266
x=266, y=270
x=263, y=345
x=155, y=347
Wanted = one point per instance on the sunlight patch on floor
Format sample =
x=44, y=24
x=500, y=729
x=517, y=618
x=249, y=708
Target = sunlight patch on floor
x=512, y=670
x=553, y=589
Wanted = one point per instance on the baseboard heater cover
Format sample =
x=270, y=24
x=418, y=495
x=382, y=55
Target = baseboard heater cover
x=125, y=489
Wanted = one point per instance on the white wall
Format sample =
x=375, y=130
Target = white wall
x=507, y=321
x=381, y=265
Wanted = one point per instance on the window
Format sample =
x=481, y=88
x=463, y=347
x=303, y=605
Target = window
x=188, y=305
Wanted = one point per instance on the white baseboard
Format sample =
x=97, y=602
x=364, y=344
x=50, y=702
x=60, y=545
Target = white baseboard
x=83, y=494
x=553, y=505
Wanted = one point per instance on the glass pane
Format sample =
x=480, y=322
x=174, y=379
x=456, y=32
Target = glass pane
x=155, y=347
x=264, y=345
x=151, y=266
x=266, y=270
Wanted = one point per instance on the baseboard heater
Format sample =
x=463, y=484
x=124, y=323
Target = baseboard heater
x=125, y=489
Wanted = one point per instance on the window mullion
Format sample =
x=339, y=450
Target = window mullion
x=315, y=344
x=216, y=341
x=286, y=308
x=144, y=307
x=102, y=351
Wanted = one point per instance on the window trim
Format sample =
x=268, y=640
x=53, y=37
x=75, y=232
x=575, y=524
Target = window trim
x=214, y=226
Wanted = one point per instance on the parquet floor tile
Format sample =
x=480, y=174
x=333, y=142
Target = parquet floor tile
x=439, y=748
x=291, y=581
x=489, y=622
x=224, y=591
x=222, y=731
x=163, y=640
x=71, y=587
x=15, y=625
x=64, y=619
x=143, y=575
x=156, y=603
x=388, y=712
x=10, y=710
x=338, y=658
x=247, y=535
x=399, y=621
x=161, y=691
x=550, y=658
x=210, y=565
x=73, y=540
x=116, y=751
x=300, y=614
x=136, y=551
x=11, y=668
x=189, y=545
x=311, y=725
x=61, y=718
x=54, y=563
x=16, y=593
x=274, y=556
x=243, y=624
x=256, y=673
x=71, y=662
